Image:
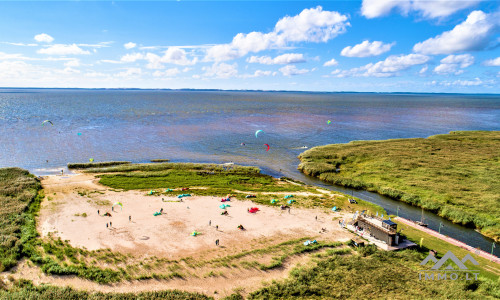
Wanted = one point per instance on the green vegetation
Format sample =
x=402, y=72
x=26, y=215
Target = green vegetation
x=24, y=289
x=487, y=268
x=18, y=189
x=159, y=160
x=96, y=164
x=455, y=175
x=381, y=275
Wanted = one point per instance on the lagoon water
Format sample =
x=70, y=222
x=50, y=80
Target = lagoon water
x=210, y=126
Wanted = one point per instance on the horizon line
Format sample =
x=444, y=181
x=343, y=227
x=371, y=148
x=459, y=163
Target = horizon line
x=240, y=90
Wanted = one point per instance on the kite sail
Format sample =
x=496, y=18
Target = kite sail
x=257, y=133
x=118, y=203
x=328, y=122
x=47, y=121
x=268, y=147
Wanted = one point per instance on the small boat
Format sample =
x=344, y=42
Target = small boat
x=422, y=219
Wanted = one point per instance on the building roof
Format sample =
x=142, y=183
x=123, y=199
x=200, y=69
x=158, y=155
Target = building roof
x=389, y=222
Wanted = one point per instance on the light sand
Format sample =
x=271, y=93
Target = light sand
x=170, y=233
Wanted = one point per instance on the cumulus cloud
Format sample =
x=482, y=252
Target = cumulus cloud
x=167, y=73
x=330, y=63
x=366, y=49
x=385, y=68
x=288, y=58
x=129, y=45
x=130, y=72
x=178, y=56
x=426, y=8
x=221, y=70
x=258, y=73
x=452, y=64
x=291, y=70
x=423, y=70
x=473, y=34
x=72, y=63
x=44, y=38
x=311, y=25
x=172, y=55
x=61, y=49
x=131, y=57
x=493, y=62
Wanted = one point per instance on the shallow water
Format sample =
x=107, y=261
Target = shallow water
x=210, y=126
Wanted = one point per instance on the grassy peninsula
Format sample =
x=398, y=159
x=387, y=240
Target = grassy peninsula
x=455, y=175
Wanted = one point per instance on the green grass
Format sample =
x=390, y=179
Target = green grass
x=96, y=164
x=159, y=160
x=455, y=175
x=24, y=289
x=18, y=189
x=487, y=268
x=381, y=275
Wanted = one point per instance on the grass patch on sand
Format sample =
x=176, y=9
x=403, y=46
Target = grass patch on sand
x=455, y=175
x=96, y=164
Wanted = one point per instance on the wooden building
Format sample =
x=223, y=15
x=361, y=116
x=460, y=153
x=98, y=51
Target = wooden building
x=383, y=230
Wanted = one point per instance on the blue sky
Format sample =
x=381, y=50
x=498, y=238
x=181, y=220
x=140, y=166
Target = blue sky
x=365, y=46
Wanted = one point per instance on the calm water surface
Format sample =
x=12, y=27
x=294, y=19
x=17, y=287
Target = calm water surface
x=210, y=126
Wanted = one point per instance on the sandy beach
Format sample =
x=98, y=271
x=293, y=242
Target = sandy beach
x=168, y=234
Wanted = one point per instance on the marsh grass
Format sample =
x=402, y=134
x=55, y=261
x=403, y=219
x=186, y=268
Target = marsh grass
x=18, y=189
x=96, y=164
x=455, y=175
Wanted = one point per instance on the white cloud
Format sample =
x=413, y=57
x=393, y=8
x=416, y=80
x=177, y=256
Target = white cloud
x=464, y=82
x=154, y=61
x=258, y=73
x=60, y=49
x=44, y=38
x=330, y=63
x=311, y=25
x=167, y=73
x=427, y=8
x=472, y=34
x=452, y=64
x=288, y=58
x=72, y=63
x=493, y=62
x=385, y=68
x=129, y=45
x=99, y=45
x=175, y=55
x=221, y=70
x=130, y=73
x=131, y=57
x=20, y=44
x=423, y=70
x=291, y=70
x=366, y=49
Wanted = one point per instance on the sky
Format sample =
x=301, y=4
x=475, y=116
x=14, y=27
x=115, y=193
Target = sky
x=362, y=46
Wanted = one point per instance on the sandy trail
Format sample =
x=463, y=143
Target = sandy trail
x=168, y=235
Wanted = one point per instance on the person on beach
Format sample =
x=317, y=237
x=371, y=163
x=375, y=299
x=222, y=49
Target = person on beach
x=62, y=172
x=217, y=242
x=129, y=218
x=112, y=208
x=161, y=210
x=217, y=227
x=106, y=225
x=210, y=223
x=98, y=212
x=316, y=218
x=110, y=224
